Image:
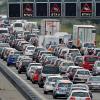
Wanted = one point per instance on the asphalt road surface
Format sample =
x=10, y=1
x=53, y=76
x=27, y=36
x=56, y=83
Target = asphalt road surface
x=8, y=91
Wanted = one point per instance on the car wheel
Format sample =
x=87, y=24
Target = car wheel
x=40, y=85
x=19, y=72
x=54, y=96
x=45, y=92
x=8, y=64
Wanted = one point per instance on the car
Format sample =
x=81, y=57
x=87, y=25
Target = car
x=81, y=76
x=96, y=68
x=35, y=75
x=81, y=87
x=94, y=83
x=71, y=71
x=23, y=64
x=62, y=88
x=47, y=70
x=29, y=50
x=35, y=54
x=78, y=60
x=79, y=95
x=11, y=60
x=64, y=65
x=88, y=61
x=50, y=82
x=30, y=69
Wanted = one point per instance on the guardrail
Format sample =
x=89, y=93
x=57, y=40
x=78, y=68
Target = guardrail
x=26, y=90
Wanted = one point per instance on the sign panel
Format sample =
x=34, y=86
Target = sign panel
x=86, y=9
x=55, y=9
x=70, y=9
x=41, y=9
x=14, y=10
x=98, y=9
x=27, y=9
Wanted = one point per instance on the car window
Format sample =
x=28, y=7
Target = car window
x=80, y=94
x=98, y=64
x=54, y=79
x=91, y=59
x=80, y=72
x=50, y=70
x=94, y=79
x=86, y=73
x=64, y=84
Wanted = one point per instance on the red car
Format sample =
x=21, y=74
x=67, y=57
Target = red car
x=88, y=61
x=35, y=75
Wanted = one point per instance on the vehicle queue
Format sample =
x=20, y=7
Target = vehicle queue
x=60, y=69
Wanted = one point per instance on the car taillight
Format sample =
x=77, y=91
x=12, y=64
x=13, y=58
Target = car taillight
x=57, y=88
x=72, y=98
x=88, y=98
x=43, y=78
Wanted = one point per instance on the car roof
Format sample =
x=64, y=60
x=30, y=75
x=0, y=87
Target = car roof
x=82, y=69
x=79, y=91
x=74, y=66
x=64, y=81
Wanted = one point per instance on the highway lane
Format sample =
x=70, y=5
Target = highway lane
x=96, y=95
x=8, y=91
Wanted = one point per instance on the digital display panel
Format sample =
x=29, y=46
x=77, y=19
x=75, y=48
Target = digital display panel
x=70, y=9
x=41, y=9
x=27, y=9
x=55, y=9
x=98, y=9
x=86, y=9
x=14, y=10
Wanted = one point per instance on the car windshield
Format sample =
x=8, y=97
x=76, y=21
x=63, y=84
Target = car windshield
x=79, y=86
x=91, y=59
x=36, y=64
x=30, y=48
x=80, y=94
x=54, y=79
x=50, y=70
x=74, y=51
x=18, y=53
x=3, y=31
x=67, y=64
x=83, y=72
x=65, y=85
x=18, y=25
x=89, y=45
x=50, y=58
x=94, y=79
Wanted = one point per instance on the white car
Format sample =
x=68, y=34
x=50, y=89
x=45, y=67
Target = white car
x=81, y=76
x=62, y=88
x=50, y=83
x=30, y=69
x=96, y=68
x=79, y=95
x=29, y=50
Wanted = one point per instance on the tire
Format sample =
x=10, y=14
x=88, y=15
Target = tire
x=45, y=92
x=19, y=72
x=8, y=64
x=40, y=85
x=54, y=96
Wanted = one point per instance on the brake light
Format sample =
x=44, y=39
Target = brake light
x=72, y=98
x=57, y=88
x=88, y=98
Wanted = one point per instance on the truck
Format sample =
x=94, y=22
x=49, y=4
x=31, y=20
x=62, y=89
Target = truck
x=83, y=34
x=50, y=26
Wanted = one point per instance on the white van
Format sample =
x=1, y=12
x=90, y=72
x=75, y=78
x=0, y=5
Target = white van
x=48, y=39
x=18, y=26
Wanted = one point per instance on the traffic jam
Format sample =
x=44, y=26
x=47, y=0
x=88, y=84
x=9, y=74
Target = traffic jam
x=58, y=63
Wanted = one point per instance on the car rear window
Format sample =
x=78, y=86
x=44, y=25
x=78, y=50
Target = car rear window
x=91, y=59
x=64, y=84
x=54, y=79
x=83, y=72
x=94, y=79
x=50, y=70
x=80, y=94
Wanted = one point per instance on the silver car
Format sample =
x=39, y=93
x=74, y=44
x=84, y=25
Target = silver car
x=94, y=83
